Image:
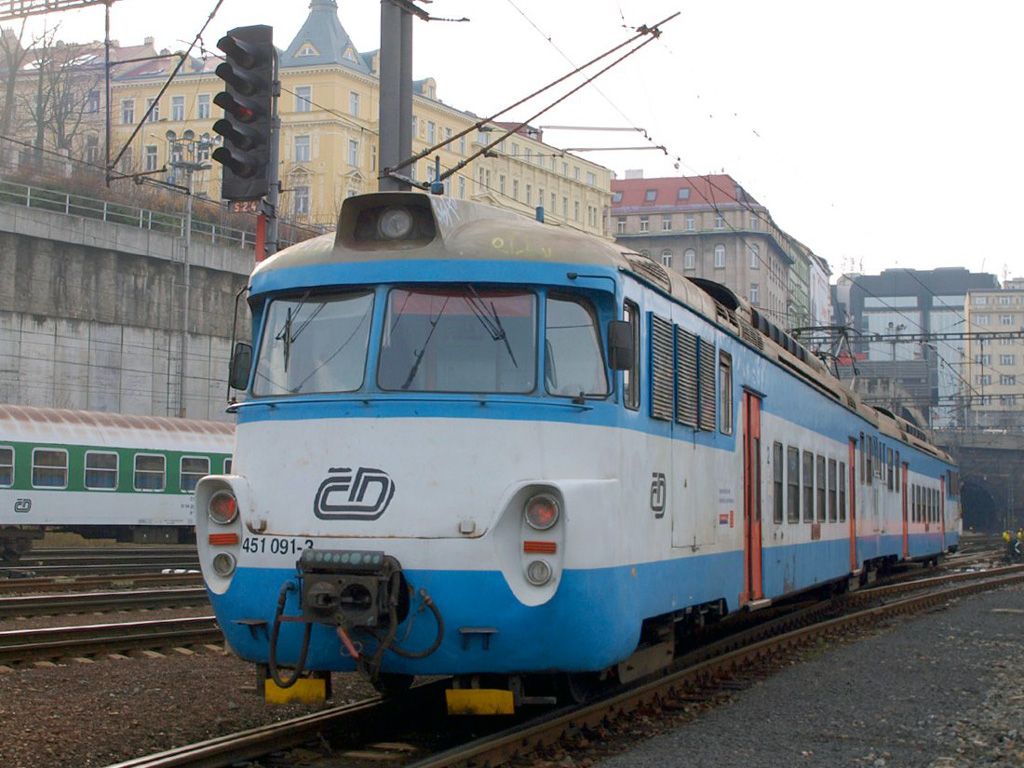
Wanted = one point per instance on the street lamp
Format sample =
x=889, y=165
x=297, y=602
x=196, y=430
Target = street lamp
x=186, y=154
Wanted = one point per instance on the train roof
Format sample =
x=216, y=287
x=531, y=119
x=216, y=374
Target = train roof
x=444, y=228
x=20, y=423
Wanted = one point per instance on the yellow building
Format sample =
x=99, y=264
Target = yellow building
x=329, y=138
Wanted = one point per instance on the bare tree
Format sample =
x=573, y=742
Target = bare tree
x=12, y=58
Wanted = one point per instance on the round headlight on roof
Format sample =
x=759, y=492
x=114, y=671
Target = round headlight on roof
x=395, y=223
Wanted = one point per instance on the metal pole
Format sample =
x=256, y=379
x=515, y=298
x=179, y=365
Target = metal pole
x=390, y=93
x=405, y=91
x=106, y=96
x=187, y=276
x=273, y=184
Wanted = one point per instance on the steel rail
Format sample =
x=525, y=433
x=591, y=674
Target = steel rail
x=19, y=646
x=528, y=738
x=704, y=665
x=128, y=581
x=77, y=602
x=235, y=747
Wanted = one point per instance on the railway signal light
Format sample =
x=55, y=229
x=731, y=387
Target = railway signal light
x=247, y=101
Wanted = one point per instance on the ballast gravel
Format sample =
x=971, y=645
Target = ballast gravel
x=939, y=690
x=77, y=715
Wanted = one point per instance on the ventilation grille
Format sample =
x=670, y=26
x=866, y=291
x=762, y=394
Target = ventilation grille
x=651, y=270
x=686, y=382
x=706, y=364
x=750, y=335
x=661, y=369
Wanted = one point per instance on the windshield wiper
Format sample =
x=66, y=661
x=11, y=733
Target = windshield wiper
x=285, y=334
x=423, y=350
x=490, y=321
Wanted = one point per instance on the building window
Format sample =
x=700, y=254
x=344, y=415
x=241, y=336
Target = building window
x=353, y=152
x=155, y=114
x=981, y=319
x=462, y=145
x=719, y=222
x=1004, y=300
x=100, y=470
x=501, y=183
x=177, y=108
x=49, y=468
x=353, y=103
x=719, y=256
x=1008, y=380
x=643, y=223
x=979, y=301
x=754, y=294
x=576, y=210
x=92, y=102
x=690, y=224
x=127, y=111
x=149, y=158
x=620, y=224
x=591, y=178
x=683, y=194
x=666, y=223
x=576, y=172
x=690, y=259
x=1006, y=319
x=755, y=222
x=616, y=197
x=651, y=195
x=193, y=468
x=431, y=132
x=529, y=194
x=303, y=98
x=462, y=187
x=150, y=472
x=755, y=256
x=1007, y=359
x=306, y=49
x=203, y=106
x=301, y=201
x=302, y=149
x=984, y=379
x=515, y=194
x=983, y=359
x=666, y=258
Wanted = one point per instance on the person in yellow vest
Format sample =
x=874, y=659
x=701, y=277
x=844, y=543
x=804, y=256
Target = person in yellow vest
x=1008, y=542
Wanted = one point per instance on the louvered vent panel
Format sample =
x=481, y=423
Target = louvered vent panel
x=706, y=364
x=686, y=381
x=661, y=369
x=650, y=270
x=750, y=334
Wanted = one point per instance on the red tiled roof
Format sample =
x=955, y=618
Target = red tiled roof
x=717, y=189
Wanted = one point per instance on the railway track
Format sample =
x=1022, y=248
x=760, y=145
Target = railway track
x=53, y=643
x=730, y=664
x=100, y=562
x=82, y=602
x=127, y=581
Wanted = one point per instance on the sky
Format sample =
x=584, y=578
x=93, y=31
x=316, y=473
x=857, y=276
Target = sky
x=881, y=134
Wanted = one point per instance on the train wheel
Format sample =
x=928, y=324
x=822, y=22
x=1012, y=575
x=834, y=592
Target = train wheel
x=392, y=684
x=582, y=687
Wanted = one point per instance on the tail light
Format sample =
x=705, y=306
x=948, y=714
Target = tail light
x=223, y=508
x=542, y=512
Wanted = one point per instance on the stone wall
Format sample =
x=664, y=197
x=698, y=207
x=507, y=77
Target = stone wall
x=91, y=316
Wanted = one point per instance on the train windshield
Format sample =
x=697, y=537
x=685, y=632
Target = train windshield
x=459, y=339
x=314, y=343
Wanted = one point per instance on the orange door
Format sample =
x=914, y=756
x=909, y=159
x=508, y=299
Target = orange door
x=853, y=503
x=906, y=524
x=942, y=510
x=752, y=576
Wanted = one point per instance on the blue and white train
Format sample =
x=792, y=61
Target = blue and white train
x=477, y=445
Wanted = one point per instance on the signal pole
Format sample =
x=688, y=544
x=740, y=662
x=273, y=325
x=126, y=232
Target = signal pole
x=395, y=90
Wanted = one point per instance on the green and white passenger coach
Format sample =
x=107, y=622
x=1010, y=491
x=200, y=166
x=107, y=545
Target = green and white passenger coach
x=106, y=475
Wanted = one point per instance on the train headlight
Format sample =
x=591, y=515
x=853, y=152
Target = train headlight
x=538, y=573
x=224, y=564
x=395, y=223
x=223, y=507
x=542, y=512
